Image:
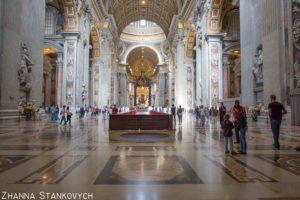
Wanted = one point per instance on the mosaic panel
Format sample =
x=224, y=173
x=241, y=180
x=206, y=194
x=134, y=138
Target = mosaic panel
x=238, y=170
x=289, y=162
x=141, y=170
x=9, y=161
x=54, y=171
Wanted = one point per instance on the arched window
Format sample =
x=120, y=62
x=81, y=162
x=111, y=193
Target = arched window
x=51, y=20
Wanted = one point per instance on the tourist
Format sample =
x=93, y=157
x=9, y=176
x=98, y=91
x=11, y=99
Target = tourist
x=53, y=113
x=81, y=112
x=197, y=113
x=69, y=116
x=234, y=111
x=241, y=124
x=179, y=114
x=227, y=127
x=276, y=110
x=202, y=115
x=214, y=114
x=115, y=110
x=222, y=112
x=63, y=115
x=173, y=113
x=56, y=113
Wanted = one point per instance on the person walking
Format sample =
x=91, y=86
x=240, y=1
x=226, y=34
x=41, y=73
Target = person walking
x=202, y=115
x=179, y=114
x=197, y=113
x=227, y=127
x=173, y=113
x=69, y=116
x=276, y=111
x=63, y=115
x=222, y=112
x=242, y=126
x=234, y=111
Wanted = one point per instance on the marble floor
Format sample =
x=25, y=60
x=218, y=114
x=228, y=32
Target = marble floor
x=43, y=156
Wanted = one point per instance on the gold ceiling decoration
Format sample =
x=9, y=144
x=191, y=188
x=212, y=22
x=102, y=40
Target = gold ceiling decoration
x=142, y=66
x=159, y=11
x=142, y=52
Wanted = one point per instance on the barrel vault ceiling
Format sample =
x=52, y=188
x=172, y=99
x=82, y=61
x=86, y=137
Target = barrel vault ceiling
x=159, y=11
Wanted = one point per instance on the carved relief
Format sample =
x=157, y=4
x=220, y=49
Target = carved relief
x=296, y=41
x=25, y=69
x=70, y=72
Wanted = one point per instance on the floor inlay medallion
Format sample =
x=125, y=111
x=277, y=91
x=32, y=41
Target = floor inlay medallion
x=54, y=171
x=9, y=161
x=289, y=162
x=147, y=170
x=238, y=170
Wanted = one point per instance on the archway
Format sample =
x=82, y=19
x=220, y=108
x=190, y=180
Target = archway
x=50, y=77
x=142, y=73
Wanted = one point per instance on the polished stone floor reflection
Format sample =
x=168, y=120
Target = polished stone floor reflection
x=43, y=156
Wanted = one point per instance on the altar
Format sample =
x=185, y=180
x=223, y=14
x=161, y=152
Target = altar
x=141, y=123
x=141, y=120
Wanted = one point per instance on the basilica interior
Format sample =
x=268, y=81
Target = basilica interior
x=148, y=54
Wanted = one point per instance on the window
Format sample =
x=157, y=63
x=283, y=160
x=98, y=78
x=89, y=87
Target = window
x=50, y=20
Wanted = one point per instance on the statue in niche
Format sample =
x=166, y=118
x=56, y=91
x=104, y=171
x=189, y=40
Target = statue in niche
x=25, y=69
x=258, y=65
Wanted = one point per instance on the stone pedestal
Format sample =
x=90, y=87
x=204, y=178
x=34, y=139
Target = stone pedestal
x=295, y=107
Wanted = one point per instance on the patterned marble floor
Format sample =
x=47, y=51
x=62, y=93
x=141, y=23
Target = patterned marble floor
x=43, y=156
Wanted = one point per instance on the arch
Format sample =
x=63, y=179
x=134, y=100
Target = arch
x=58, y=46
x=127, y=52
x=127, y=11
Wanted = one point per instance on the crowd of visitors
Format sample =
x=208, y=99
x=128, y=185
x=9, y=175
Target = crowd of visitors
x=233, y=122
x=236, y=127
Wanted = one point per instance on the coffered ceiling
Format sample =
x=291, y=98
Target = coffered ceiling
x=159, y=11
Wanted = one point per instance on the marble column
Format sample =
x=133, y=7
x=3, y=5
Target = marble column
x=150, y=97
x=135, y=95
x=190, y=91
x=47, y=88
x=215, y=69
x=59, y=79
x=95, y=101
x=161, y=89
x=181, y=76
x=105, y=71
x=70, y=69
x=199, y=69
x=170, y=89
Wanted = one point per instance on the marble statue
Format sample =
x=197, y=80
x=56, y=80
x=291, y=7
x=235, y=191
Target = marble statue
x=258, y=66
x=25, y=68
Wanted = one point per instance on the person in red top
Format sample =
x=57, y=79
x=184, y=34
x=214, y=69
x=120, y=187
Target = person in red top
x=115, y=110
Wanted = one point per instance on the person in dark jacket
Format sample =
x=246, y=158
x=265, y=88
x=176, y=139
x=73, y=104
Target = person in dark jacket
x=228, y=126
x=276, y=111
